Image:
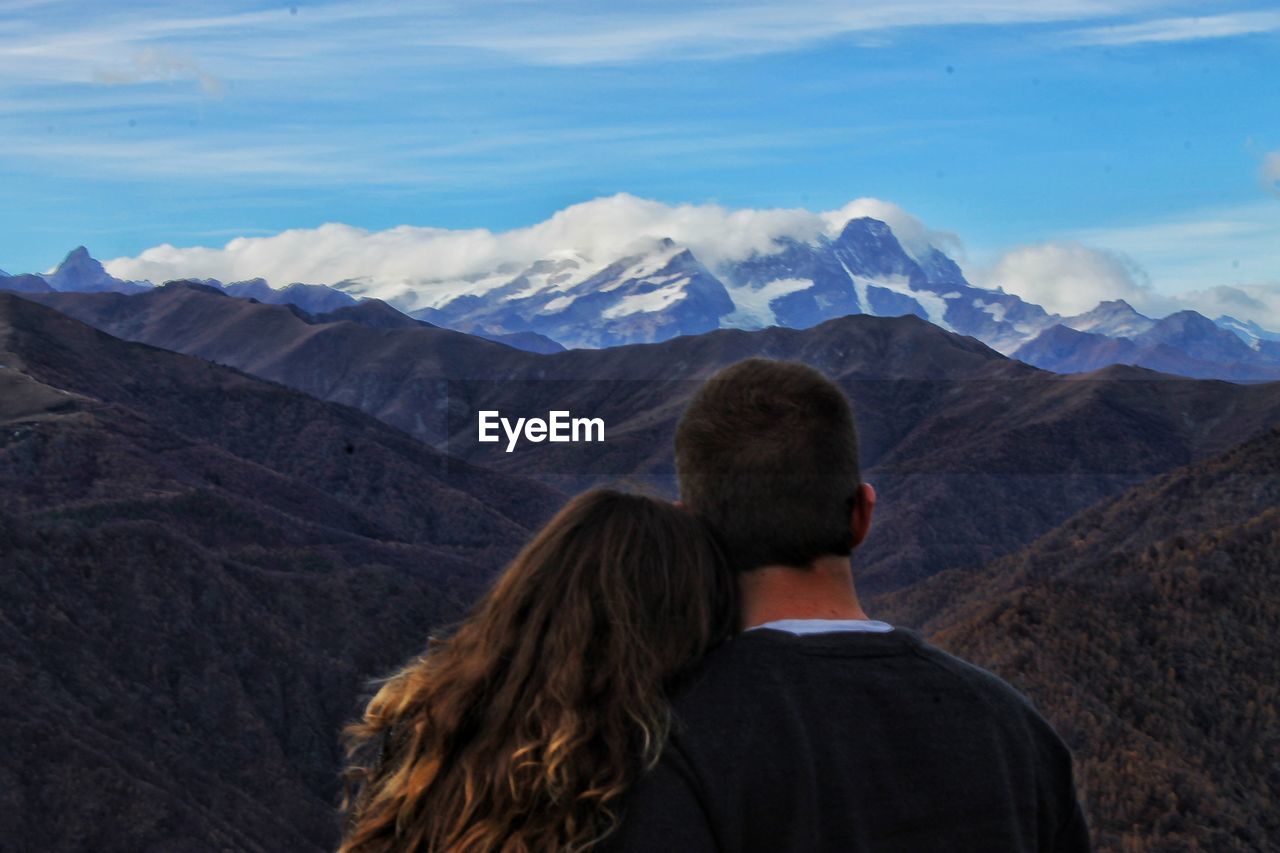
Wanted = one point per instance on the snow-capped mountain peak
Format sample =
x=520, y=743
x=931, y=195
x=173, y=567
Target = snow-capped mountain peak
x=656, y=290
x=1248, y=331
x=1114, y=318
x=652, y=288
x=865, y=269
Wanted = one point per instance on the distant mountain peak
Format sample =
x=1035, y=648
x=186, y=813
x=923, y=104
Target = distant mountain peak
x=1111, y=307
x=373, y=313
x=867, y=225
x=1189, y=320
x=191, y=284
x=1114, y=318
x=312, y=298
x=78, y=258
x=1116, y=305
x=1248, y=331
x=81, y=272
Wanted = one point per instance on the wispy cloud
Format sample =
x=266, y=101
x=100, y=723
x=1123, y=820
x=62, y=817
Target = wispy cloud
x=186, y=158
x=383, y=156
x=1226, y=246
x=154, y=64
x=1178, y=29
x=1269, y=173
x=262, y=42
x=607, y=34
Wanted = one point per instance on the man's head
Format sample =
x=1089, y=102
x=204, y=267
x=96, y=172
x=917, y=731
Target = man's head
x=767, y=454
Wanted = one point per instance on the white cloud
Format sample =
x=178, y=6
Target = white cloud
x=1070, y=278
x=1257, y=302
x=354, y=34
x=416, y=266
x=178, y=158
x=1233, y=245
x=1270, y=172
x=1179, y=29
x=410, y=263
x=914, y=235
x=715, y=30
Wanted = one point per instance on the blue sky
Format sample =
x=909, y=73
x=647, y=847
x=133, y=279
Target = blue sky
x=1146, y=129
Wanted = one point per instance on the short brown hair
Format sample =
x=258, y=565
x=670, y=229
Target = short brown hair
x=767, y=455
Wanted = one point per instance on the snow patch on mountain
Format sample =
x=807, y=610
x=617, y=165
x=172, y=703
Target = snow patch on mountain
x=934, y=306
x=558, y=272
x=859, y=284
x=1248, y=331
x=753, y=305
x=995, y=309
x=648, y=301
x=646, y=265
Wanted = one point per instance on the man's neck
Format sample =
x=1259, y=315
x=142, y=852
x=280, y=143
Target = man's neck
x=824, y=591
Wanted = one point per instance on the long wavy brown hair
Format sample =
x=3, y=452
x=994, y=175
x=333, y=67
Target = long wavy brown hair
x=522, y=731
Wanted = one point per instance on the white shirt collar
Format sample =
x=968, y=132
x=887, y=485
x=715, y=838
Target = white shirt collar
x=825, y=626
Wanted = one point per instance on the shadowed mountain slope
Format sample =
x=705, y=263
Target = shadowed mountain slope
x=974, y=454
x=201, y=571
x=25, y=283
x=201, y=567
x=1145, y=628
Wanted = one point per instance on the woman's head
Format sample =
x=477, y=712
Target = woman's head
x=523, y=729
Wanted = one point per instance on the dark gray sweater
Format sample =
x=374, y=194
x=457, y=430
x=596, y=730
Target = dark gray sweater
x=853, y=741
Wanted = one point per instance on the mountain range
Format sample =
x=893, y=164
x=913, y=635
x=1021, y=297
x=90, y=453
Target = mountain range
x=1186, y=343
x=949, y=426
x=201, y=572
x=203, y=567
x=658, y=289
x=225, y=507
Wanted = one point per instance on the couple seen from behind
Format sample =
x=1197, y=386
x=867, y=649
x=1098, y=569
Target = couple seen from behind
x=701, y=676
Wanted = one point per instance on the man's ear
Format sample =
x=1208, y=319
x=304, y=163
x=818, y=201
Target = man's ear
x=863, y=507
x=679, y=504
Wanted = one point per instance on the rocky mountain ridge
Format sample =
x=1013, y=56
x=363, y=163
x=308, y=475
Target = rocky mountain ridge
x=659, y=289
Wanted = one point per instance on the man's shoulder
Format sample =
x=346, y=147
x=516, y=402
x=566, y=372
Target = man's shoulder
x=984, y=682
x=764, y=671
x=1005, y=701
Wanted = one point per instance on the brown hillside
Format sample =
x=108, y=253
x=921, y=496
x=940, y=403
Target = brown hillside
x=974, y=455
x=1145, y=629
x=201, y=570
